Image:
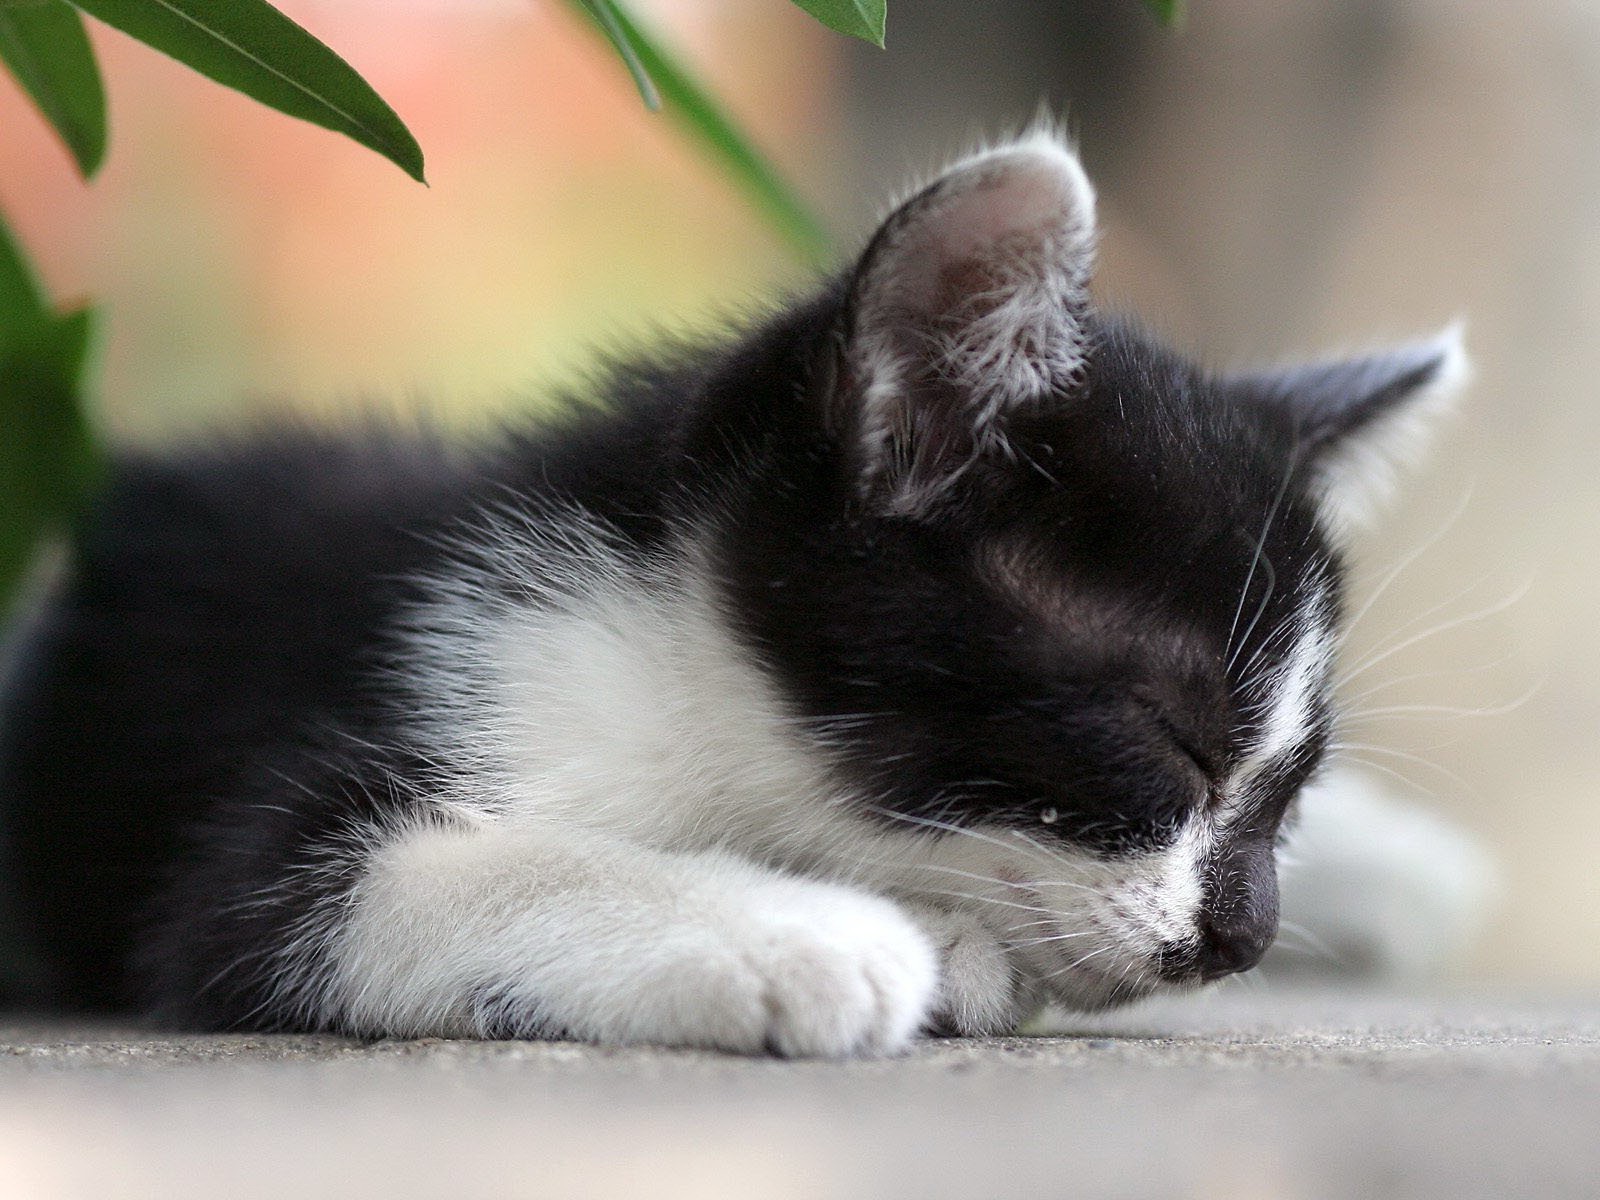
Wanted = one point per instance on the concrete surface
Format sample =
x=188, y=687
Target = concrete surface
x=1243, y=1094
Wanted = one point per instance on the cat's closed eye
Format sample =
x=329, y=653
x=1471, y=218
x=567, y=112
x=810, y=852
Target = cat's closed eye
x=1188, y=745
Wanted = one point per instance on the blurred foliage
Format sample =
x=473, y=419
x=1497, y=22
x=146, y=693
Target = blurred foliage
x=610, y=20
x=251, y=47
x=48, y=458
x=864, y=19
x=663, y=78
x=49, y=53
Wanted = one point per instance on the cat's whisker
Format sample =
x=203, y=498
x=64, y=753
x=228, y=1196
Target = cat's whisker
x=1297, y=950
x=1034, y=844
x=1408, y=561
x=1261, y=608
x=1316, y=944
x=1415, y=619
x=1399, y=776
x=995, y=900
x=922, y=892
x=1384, y=714
x=1374, y=659
x=1245, y=673
x=1232, y=649
x=1024, y=943
x=911, y=887
x=1404, y=756
x=1075, y=964
x=1352, y=702
x=1053, y=920
x=911, y=869
x=961, y=830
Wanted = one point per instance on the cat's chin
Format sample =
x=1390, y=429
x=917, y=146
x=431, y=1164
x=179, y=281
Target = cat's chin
x=1093, y=991
x=1090, y=991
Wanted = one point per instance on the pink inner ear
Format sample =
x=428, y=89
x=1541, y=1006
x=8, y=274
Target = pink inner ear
x=1009, y=222
x=1028, y=201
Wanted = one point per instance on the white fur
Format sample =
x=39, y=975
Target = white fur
x=576, y=933
x=1035, y=238
x=980, y=992
x=1359, y=474
x=1290, y=691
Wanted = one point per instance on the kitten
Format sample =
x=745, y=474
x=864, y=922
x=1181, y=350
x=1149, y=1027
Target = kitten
x=936, y=648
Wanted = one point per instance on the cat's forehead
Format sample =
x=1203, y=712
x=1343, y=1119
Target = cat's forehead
x=1138, y=399
x=1149, y=511
x=1150, y=453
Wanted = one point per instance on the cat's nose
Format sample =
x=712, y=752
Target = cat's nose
x=1229, y=944
x=1239, y=917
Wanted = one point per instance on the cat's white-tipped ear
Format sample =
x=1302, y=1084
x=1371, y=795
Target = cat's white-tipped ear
x=1362, y=421
x=968, y=301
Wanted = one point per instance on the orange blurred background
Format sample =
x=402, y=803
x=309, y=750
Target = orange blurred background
x=244, y=258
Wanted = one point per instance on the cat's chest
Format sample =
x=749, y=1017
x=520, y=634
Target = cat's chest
x=612, y=694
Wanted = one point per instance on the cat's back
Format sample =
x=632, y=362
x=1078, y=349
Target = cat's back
x=222, y=601
x=253, y=560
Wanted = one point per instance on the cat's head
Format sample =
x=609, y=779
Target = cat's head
x=1058, y=599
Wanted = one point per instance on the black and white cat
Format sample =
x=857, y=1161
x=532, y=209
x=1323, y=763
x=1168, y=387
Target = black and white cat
x=934, y=649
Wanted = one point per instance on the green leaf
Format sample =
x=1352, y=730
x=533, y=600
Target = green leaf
x=1168, y=12
x=48, y=51
x=603, y=13
x=22, y=303
x=251, y=47
x=864, y=19
x=48, y=459
x=686, y=102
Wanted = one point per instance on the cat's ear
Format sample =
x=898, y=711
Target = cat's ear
x=1360, y=421
x=967, y=302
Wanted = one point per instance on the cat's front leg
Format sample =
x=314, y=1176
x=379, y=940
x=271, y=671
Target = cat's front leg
x=492, y=931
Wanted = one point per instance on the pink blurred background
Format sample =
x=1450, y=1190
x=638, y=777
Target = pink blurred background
x=246, y=258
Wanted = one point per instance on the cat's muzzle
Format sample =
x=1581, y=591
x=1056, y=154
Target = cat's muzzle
x=1223, y=947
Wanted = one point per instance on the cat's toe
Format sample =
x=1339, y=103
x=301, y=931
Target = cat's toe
x=980, y=993
x=857, y=979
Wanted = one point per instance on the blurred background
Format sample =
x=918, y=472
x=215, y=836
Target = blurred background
x=1275, y=179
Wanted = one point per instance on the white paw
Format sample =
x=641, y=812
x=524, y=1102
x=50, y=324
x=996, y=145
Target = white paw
x=1375, y=887
x=806, y=970
x=980, y=992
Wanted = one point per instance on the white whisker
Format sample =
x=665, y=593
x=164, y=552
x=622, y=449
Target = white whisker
x=1484, y=613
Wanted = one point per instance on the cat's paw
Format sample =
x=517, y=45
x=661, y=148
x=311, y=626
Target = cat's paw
x=806, y=970
x=1424, y=885
x=981, y=991
x=856, y=979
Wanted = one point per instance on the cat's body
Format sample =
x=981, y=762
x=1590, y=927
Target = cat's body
x=934, y=649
